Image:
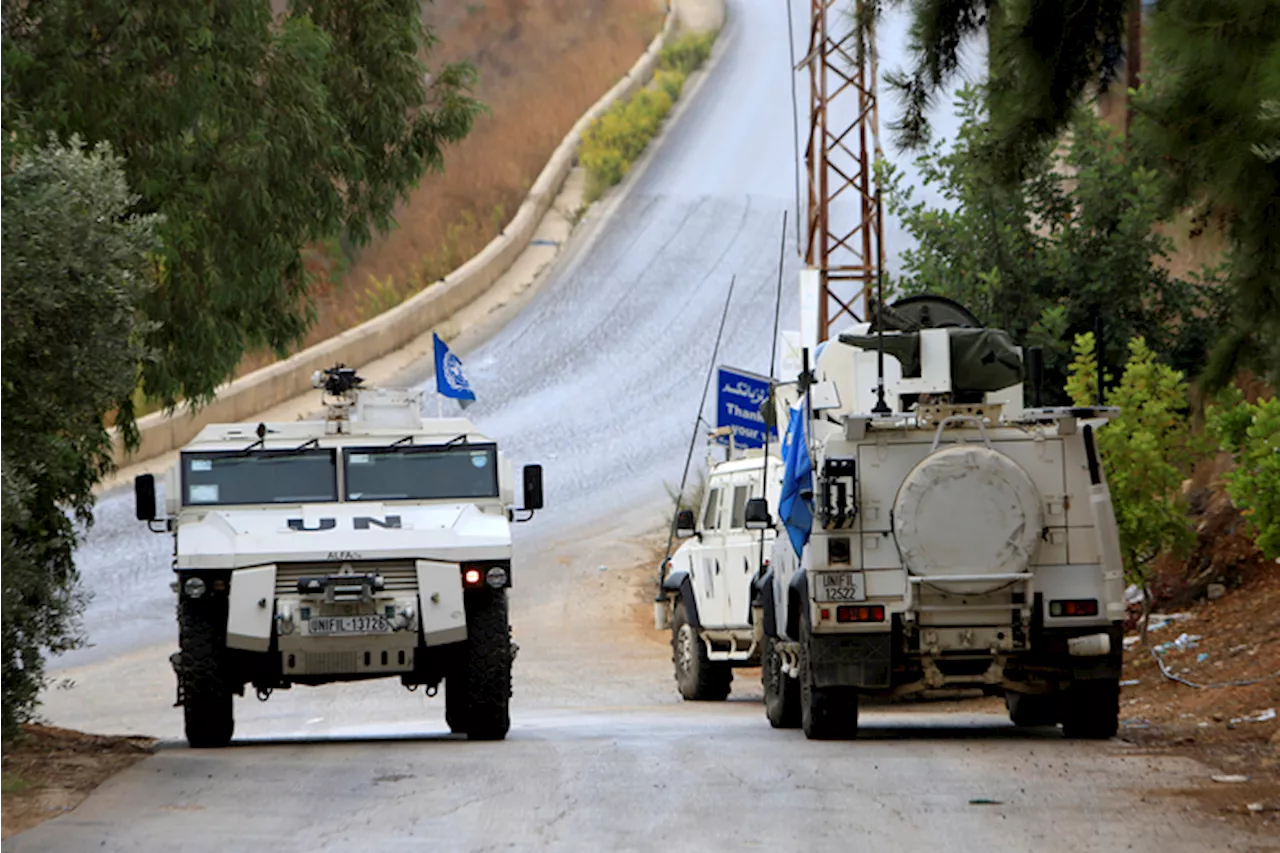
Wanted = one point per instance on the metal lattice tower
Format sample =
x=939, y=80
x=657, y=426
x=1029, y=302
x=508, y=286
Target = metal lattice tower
x=843, y=240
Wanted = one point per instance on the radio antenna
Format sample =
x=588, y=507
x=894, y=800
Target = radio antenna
x=715, y=351
x=881, y=407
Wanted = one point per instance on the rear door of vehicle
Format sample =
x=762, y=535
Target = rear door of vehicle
x=742, y=550
x=708, y=556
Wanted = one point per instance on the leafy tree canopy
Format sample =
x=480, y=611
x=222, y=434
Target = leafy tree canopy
x=1208, y=116
x=75, y=270
x=253, y=134
x=1045, y=257
x=1042, y=56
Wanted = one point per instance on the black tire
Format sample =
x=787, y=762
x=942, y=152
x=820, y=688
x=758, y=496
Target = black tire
x=208, y=716
x=781, y=692
x=697, y=676
x=478, y=689
x=455, y=702
x=826, y=713
x=1091, y=710
x=1038, y=710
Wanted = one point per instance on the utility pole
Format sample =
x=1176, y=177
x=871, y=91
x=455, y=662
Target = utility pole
x=844, y=235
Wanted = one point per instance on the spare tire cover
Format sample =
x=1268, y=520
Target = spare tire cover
x=967, y=510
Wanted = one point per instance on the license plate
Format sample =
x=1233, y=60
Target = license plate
x=841, y=586
x=350, y=625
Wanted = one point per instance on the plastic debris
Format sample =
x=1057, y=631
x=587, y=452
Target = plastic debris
x=1202, y=657
x=1260, y=717
x=1182, y=644
x=1230, y=779
x=1130, y=682
x=1255, y=807
x=1130, y=642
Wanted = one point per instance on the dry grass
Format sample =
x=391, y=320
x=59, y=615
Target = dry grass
x=542, y=63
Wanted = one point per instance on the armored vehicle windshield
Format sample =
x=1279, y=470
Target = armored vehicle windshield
x=259, y=477
x=415, y=472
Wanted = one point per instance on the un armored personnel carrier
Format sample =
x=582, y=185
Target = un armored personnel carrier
x=947, y=537
x=374, y=543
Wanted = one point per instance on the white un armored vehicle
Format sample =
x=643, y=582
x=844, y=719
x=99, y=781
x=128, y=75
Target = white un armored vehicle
x=709, y=584
x=957, y=540
x=374, y=543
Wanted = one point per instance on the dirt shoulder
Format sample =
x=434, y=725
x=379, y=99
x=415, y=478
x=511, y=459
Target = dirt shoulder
x=51, y=770
x=1233, y=641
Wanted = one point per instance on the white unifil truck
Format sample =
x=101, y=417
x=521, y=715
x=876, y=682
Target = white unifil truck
x=957, y=540
x=374, y=543
x=710, y=584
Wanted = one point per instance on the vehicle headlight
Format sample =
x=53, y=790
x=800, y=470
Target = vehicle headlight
x=496, y=577
x=194, y=587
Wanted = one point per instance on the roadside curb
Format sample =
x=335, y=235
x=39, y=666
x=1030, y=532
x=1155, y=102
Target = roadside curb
x=243, y=398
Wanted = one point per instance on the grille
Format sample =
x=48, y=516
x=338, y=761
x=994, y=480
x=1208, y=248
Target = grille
x=331, y=662
x=399, y=577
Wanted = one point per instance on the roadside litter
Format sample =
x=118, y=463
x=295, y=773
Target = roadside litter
x=1260, y=717
x=1182, y=644
x=1230, y=779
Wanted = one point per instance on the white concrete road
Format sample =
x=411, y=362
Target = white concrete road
x=597, y=378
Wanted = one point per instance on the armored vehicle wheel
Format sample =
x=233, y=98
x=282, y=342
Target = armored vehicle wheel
x=826, y=713
x=455, y=702
x=478, y=688
x=1091, y=710
x=1039, y=710
x=781, y=692
x=208, y=718
x=697, y=676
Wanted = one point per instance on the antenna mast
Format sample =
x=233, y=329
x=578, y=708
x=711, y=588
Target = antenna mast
x=843, y=242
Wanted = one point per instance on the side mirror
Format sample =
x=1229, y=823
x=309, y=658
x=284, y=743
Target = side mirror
x=532, y=487
x=758, y=514
x=684, y=523
x=144, y=497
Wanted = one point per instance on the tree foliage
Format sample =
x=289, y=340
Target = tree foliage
x=76, y=268
x=1045, y=257
x=1209, y=118
x=253, y=133
x=1042, y=54
x=1146, y=452
x=1251, y=434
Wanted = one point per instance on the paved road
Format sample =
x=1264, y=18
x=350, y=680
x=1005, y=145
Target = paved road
x=670, y=778
x=598, y=378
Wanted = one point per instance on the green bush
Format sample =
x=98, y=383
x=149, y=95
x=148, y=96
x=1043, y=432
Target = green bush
x=615, y=139
x=1251, y=434
x=1146, y=452
x=687, y=53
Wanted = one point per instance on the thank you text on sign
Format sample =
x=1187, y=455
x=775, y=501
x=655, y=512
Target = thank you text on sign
x=739, y=396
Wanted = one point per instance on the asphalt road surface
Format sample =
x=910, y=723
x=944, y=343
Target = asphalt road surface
x=598, y=379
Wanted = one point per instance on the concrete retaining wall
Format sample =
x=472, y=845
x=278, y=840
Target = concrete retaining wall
x=245, y=397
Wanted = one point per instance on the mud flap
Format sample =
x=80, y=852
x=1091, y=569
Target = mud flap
x=851, y=660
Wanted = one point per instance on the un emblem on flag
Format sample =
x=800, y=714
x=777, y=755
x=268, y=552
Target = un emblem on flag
x=453, y=373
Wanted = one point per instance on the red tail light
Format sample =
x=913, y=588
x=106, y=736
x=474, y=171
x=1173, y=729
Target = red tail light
x=1074, y=607
x=860, y=613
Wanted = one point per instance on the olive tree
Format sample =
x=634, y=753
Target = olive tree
x=77, y=264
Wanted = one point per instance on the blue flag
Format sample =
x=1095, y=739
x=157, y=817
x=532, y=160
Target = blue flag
x=797, y=478
x=449, y=379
